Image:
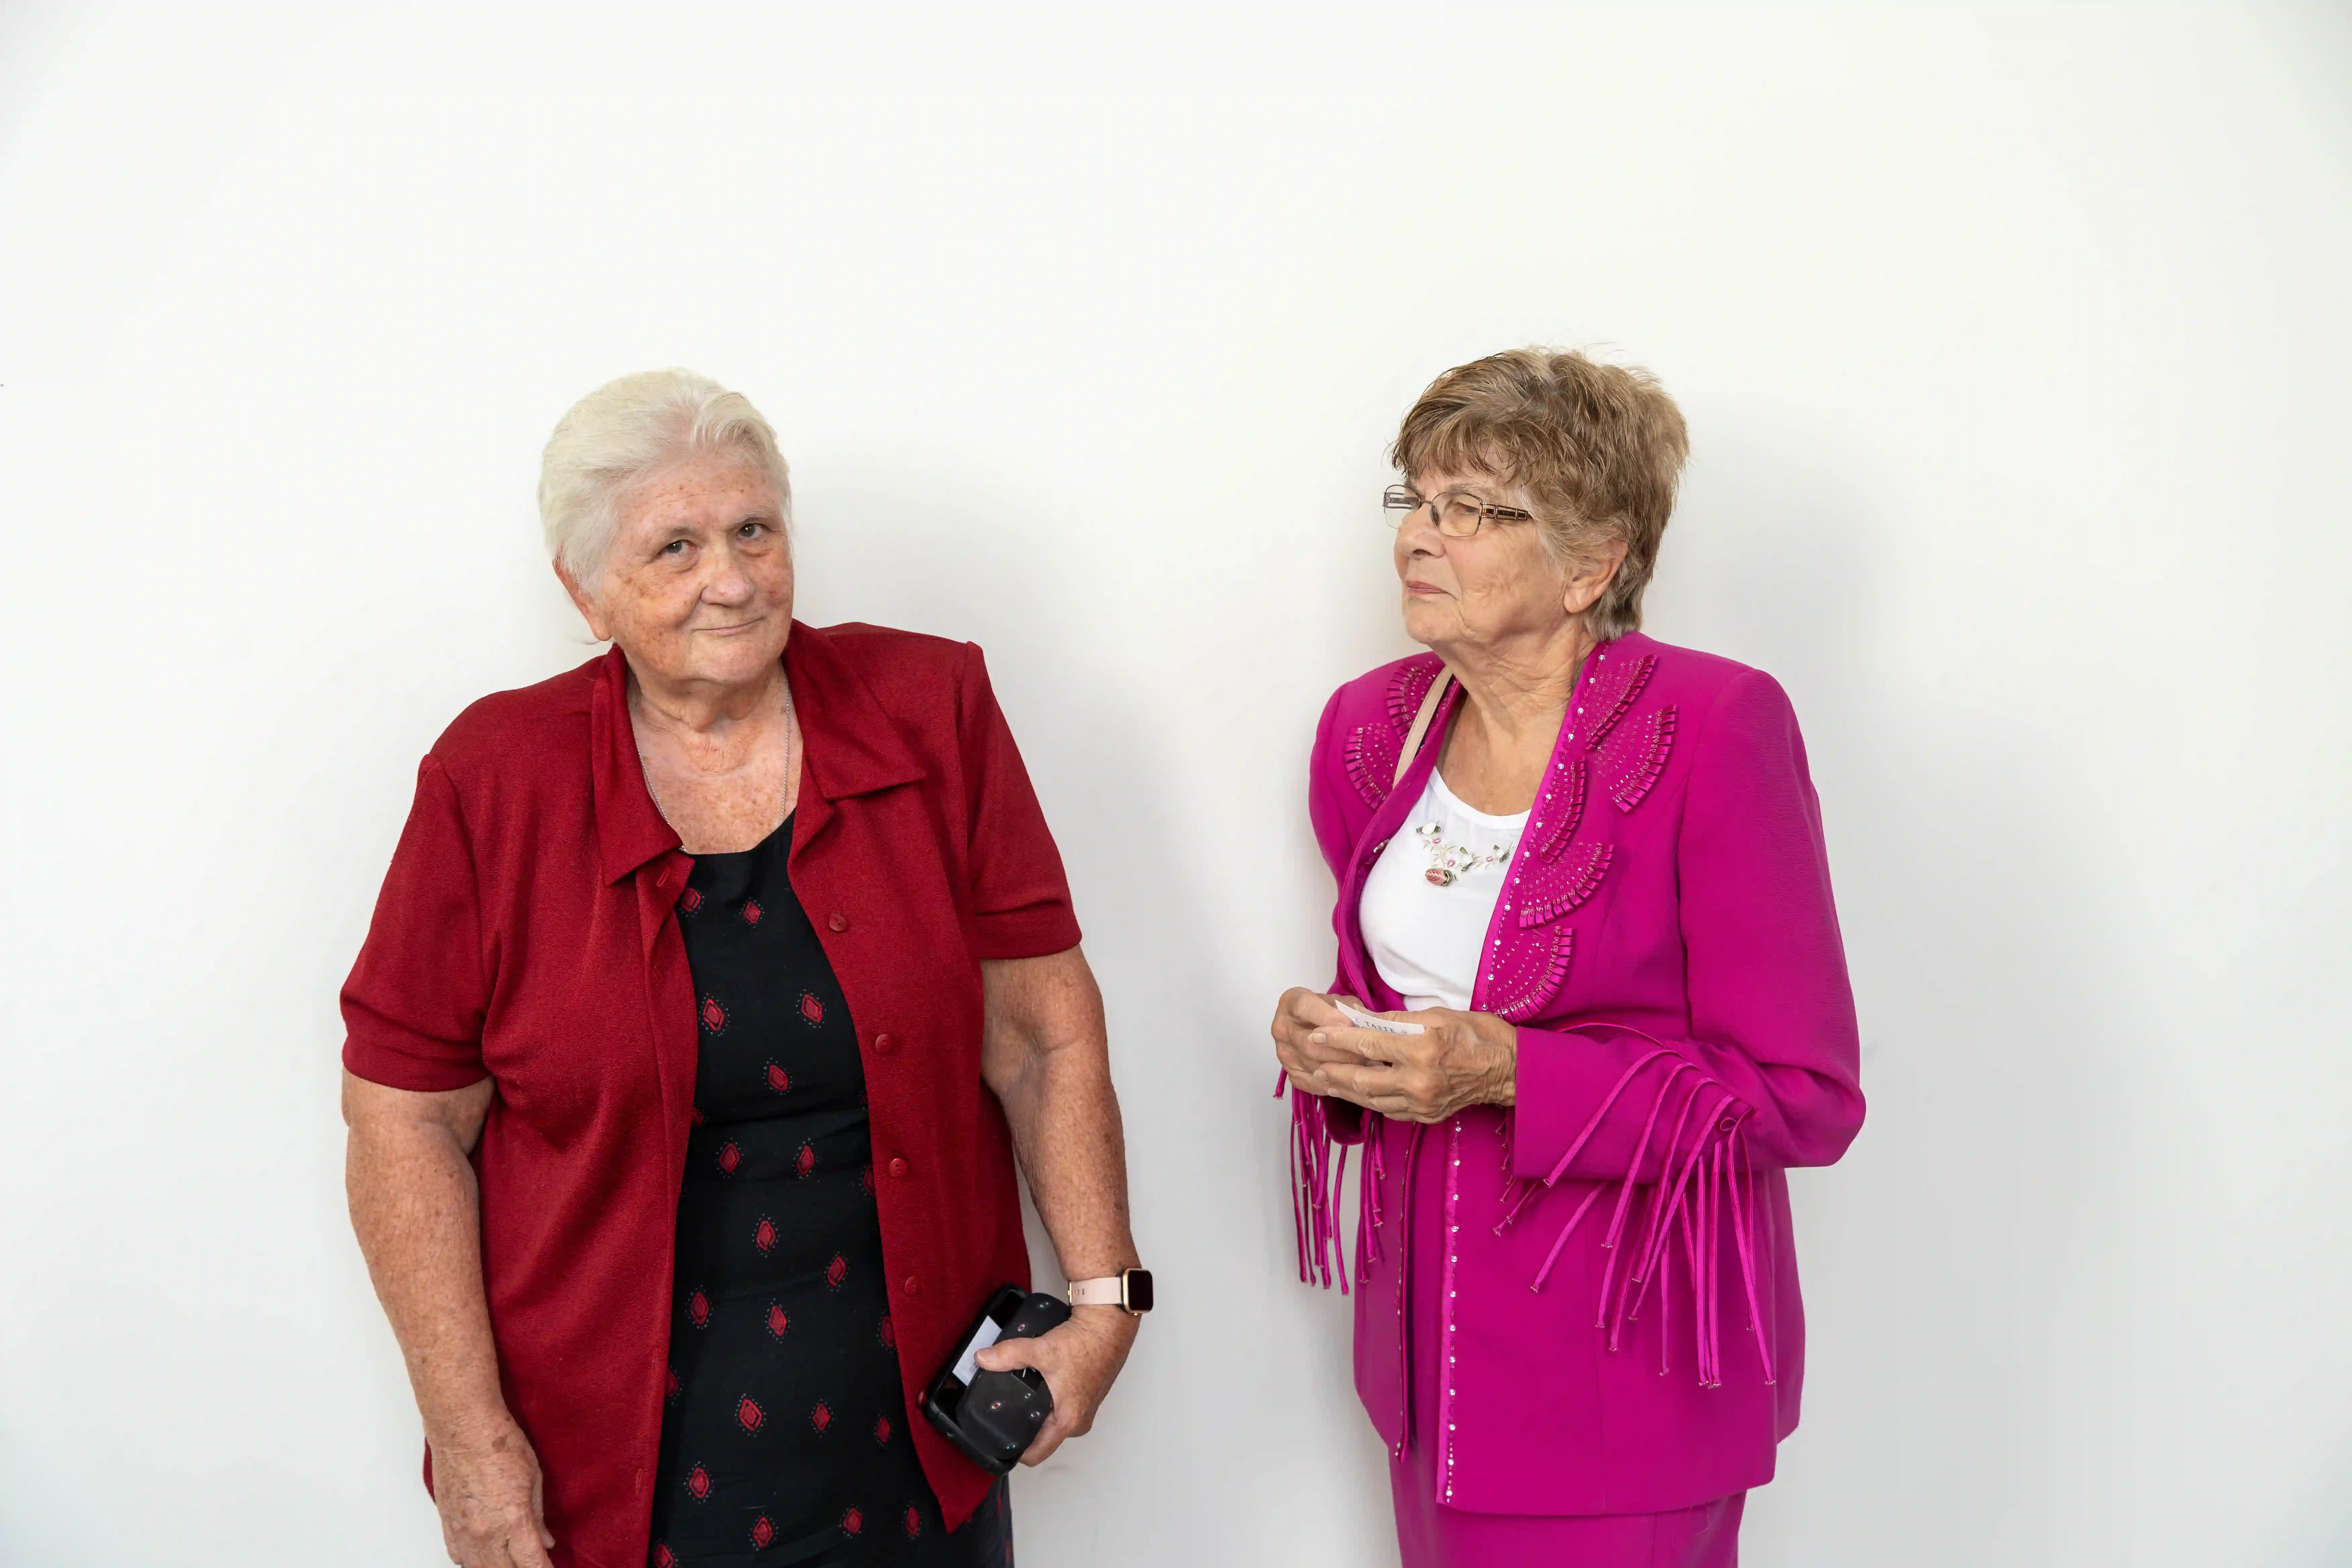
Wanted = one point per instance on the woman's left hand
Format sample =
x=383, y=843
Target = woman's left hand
x=1458, y=1059
x=1080, y=1359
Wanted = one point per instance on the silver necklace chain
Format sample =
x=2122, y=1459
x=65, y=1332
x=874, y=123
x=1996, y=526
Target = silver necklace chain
x=793, y=744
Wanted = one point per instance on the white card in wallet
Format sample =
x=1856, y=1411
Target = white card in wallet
x=1363, y=1020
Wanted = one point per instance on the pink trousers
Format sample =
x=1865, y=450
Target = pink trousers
x=1430, y=1535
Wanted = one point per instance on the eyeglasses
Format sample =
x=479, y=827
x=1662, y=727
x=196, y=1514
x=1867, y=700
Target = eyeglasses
x=1458, y=513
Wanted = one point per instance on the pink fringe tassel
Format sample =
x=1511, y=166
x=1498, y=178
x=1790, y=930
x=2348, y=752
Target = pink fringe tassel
x=1699, y=1190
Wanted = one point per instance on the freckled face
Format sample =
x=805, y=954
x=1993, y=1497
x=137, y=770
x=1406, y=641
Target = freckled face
x=1472, y=593
x=699, y=588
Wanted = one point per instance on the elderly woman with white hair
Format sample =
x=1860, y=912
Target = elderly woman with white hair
x=712, y=990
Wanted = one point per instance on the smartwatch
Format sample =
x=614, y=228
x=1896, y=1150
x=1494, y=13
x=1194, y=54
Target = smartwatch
x=1129, y=1290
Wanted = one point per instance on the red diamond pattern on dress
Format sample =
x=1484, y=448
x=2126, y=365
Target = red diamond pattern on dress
x=757, y=1113
x=689, y=900
x=694, y=1114
x=663, y=1556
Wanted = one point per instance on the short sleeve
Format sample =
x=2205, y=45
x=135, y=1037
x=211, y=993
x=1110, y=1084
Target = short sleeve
x=414, y=1005
x=1020, y=896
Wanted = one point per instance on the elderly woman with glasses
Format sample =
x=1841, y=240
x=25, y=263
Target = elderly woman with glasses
x=714, y=987
x=1590, y=1005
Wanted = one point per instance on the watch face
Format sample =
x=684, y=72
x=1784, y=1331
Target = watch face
x=1138, y=1289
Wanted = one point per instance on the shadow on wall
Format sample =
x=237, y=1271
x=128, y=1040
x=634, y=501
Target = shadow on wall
x=1940, y=1258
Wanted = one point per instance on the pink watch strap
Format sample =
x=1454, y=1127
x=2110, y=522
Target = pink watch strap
x=1110, y=1291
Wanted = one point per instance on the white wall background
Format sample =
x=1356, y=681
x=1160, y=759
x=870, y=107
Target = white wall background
x=2014, y=345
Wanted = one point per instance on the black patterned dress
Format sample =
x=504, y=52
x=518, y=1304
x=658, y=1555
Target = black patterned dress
x=784, y=1440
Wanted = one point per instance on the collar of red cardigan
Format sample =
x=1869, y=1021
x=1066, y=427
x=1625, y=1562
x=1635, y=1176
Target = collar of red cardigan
x=849, y=744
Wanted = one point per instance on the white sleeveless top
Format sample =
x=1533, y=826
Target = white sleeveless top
x=1426, y=905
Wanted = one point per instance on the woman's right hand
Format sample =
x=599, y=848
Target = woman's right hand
x=418, y=1215
x=1299, y=1014
x=486, y=1481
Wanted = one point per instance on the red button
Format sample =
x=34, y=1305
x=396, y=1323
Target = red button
x=839, y=923
x=898, y=1167
x=914, y=1286
x=884, y=1045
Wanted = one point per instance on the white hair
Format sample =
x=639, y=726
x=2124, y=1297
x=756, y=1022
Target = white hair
x=623, y=434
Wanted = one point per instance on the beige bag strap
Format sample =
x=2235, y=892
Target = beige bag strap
x=1421, y=721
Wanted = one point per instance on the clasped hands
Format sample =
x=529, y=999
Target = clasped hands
x=1458, y=1059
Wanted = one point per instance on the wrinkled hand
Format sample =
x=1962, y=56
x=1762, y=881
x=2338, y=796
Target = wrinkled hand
x=1300, y=1021
x=487, y=1484
x=1080, y=1359
x=1458, y=1059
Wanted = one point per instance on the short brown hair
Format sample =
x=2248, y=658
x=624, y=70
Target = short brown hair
x=1599, y=449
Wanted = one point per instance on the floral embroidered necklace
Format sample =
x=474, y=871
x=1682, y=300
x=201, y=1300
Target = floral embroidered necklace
x=1449, y=863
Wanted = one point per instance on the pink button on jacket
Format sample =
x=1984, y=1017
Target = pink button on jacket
x=1619, y=1322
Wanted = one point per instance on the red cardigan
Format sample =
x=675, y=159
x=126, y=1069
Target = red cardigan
x=527, y=932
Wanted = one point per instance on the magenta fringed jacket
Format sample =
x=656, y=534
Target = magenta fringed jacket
x=1618, y=1316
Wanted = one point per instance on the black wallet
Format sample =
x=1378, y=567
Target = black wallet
x=992, y=1417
